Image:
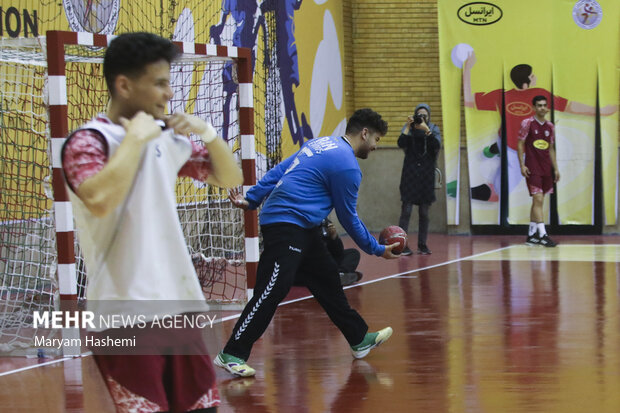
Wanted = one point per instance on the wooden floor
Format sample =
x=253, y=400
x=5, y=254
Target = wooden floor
x=484, y=324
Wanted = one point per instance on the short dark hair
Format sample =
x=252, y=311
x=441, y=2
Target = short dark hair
x=520, y=74
x=366, y=118
x=538, y=98
x=129, y=54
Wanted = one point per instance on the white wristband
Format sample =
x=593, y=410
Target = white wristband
x=209, y=135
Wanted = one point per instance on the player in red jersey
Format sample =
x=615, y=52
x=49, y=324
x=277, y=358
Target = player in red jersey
x=517, y=104
x=540, y=169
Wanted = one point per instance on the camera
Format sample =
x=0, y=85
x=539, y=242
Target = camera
x=418, y=119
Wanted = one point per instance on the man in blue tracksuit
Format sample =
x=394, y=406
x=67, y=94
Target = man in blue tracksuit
x=301, y=191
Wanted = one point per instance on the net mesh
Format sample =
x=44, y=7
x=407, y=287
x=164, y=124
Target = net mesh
x=28, y=249
x=240, y=23
x=218, y=22
x=27, y=234
x=214, y=229
x=272, y=95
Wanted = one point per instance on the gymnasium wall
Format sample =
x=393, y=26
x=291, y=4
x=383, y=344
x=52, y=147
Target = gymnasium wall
x=395, y=59
x=371, y=22
x=391, y=65
x=389, y=60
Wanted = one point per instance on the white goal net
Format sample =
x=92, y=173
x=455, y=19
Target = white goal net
x=204, y=85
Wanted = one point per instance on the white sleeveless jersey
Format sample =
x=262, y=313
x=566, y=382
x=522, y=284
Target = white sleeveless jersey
x=138, y=251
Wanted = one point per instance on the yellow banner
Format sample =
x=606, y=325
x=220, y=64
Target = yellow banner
x=298, y=75
x=449, y=65
x=606, y=53
x=592, y=29
x=314, y=106
x=508, y=52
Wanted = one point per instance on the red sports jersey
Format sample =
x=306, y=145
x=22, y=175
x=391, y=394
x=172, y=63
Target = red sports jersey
x=538, y=140
x=518, y=107
x=86, y=153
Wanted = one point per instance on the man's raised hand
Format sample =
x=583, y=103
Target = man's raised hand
x=237, y=199
x=142, y=127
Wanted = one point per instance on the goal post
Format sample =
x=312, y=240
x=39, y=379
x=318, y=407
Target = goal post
x=60, y=79
x=194, y=56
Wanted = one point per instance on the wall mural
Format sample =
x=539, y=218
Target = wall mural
x=500, y=58
x=297, y=42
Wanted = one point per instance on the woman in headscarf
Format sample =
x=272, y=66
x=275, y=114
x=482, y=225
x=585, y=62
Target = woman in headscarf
x=421, y=141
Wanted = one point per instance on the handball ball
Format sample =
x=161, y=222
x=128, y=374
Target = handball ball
x=460, y=53
x=392, y=235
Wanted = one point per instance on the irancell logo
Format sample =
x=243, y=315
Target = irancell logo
x=479, y=13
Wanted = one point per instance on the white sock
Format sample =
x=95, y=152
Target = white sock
x=541, y=229
x=533, y=228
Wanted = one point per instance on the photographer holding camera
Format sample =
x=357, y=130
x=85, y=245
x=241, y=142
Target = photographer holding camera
x=421, y=141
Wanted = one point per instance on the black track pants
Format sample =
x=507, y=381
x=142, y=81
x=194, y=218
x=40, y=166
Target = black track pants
x=286, y=248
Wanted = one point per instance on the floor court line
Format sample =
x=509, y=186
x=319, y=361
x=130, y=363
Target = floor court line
x=235, y=316
x=34, y=366
x=387, y=277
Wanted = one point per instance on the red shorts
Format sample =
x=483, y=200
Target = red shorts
x=540, y=184
x=167, y=370
x=154, y=383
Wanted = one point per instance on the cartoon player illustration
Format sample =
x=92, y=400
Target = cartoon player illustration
x=285, y=57
x=243, y=12
x=286, y=61
x=518, y=107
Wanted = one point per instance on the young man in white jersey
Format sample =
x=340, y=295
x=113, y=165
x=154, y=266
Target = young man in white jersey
x=121, y=169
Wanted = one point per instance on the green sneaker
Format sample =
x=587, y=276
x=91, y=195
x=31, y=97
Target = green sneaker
x=370, y=341
x=233, y=365
x=491, y=151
